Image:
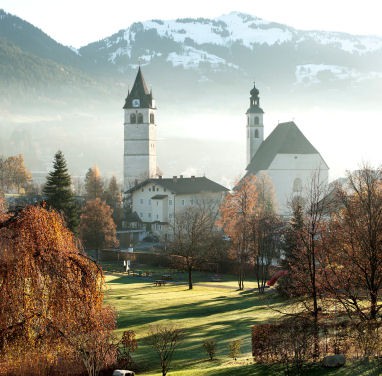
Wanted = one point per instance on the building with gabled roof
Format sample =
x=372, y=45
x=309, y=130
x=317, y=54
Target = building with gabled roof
x=286, y=156
x=157, y=201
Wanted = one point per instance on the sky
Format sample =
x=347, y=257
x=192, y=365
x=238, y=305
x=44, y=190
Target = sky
x=79, y=22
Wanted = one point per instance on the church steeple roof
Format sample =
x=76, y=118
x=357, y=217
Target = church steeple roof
x=254, y=101
x=139, y=92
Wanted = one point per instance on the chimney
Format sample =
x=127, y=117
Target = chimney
x=160, y=177
x=181, y=176
x=175, y=178
x=193, y=177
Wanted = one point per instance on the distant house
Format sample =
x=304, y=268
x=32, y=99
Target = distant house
x=285, y=156
x=157, y=201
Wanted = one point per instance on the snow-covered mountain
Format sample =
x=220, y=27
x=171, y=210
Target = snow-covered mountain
x=201, y=70
x=243, y=45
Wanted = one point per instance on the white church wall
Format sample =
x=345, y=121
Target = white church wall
x=286, y=168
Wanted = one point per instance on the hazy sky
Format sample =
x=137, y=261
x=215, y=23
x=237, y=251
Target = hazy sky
x=78, y=22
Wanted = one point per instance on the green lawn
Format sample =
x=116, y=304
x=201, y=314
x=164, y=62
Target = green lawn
x=215, y=310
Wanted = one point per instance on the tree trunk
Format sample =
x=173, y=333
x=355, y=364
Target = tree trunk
x=190, y=277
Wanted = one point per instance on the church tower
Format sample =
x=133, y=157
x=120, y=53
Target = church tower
x=255, y=126
x=140, y=159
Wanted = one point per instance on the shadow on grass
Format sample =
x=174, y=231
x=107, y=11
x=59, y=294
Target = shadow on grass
x=218, y=305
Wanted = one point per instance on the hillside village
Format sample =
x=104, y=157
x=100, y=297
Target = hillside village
x=169, y=271
x=286, y=157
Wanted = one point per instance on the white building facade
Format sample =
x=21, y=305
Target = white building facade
x=158, y=201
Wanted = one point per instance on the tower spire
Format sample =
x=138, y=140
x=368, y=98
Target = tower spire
x=139, y=133
x=255, y=127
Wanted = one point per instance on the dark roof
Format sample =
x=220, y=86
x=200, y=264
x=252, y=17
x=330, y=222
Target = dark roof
x=141, y=92
x=159, y=197
x=133, y=217
x=255, y=110
x=286, y=138
x=254, y=102
x=180, y=185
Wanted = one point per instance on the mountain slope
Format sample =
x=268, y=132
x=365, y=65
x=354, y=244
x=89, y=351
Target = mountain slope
x=34, y=41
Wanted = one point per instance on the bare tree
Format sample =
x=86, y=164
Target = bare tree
x=354, y=252
x=265, y=231
x=305, y=233
x=164, y=339
x=195, y=235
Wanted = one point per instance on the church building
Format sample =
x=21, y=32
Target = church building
x=285, y=156
x=140, y=157
x=155, y=201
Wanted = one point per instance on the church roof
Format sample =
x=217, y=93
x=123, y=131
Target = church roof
x=180, y=185
x=139, y=91
x=286, y=138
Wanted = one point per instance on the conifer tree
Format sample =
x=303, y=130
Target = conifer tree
x=58, y=191
x=113, y=198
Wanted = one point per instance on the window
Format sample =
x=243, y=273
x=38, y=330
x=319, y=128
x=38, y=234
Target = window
x=157, y=216
x=170, y=202
x=164, y=190
x=149, y=201
x=256, y=133
x=170, y=215
x=153, y=188
x=157, y=203
x=183, y=202
x=151, y=118
x=140, y=118
x=143, y=190
x=141, y=215
x=141, y=200
x=256, y=120
x=149, y=215
x=133, y=119
x=192, y=202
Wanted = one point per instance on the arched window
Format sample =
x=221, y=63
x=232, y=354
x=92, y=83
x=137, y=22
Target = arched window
x=140, y=118
x=256, y=133
x=151, y=118
x=133, y=119
x=297, y=185
x=256, y=120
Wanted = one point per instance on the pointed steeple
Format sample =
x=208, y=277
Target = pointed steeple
x=139, y=96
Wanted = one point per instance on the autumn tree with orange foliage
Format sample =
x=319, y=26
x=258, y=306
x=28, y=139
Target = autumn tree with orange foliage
x=236, y=213
x=93, y=184
x=97, y=227
x=51, y=295
x=14, y=176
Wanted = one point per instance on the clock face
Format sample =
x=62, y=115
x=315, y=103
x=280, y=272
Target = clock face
x=136, y=102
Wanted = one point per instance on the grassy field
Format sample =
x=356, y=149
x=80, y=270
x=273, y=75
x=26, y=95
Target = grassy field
x=212, y=310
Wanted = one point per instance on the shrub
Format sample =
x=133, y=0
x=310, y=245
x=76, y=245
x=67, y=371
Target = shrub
x=210, y=348
x=127, y=345
x=235, y=348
